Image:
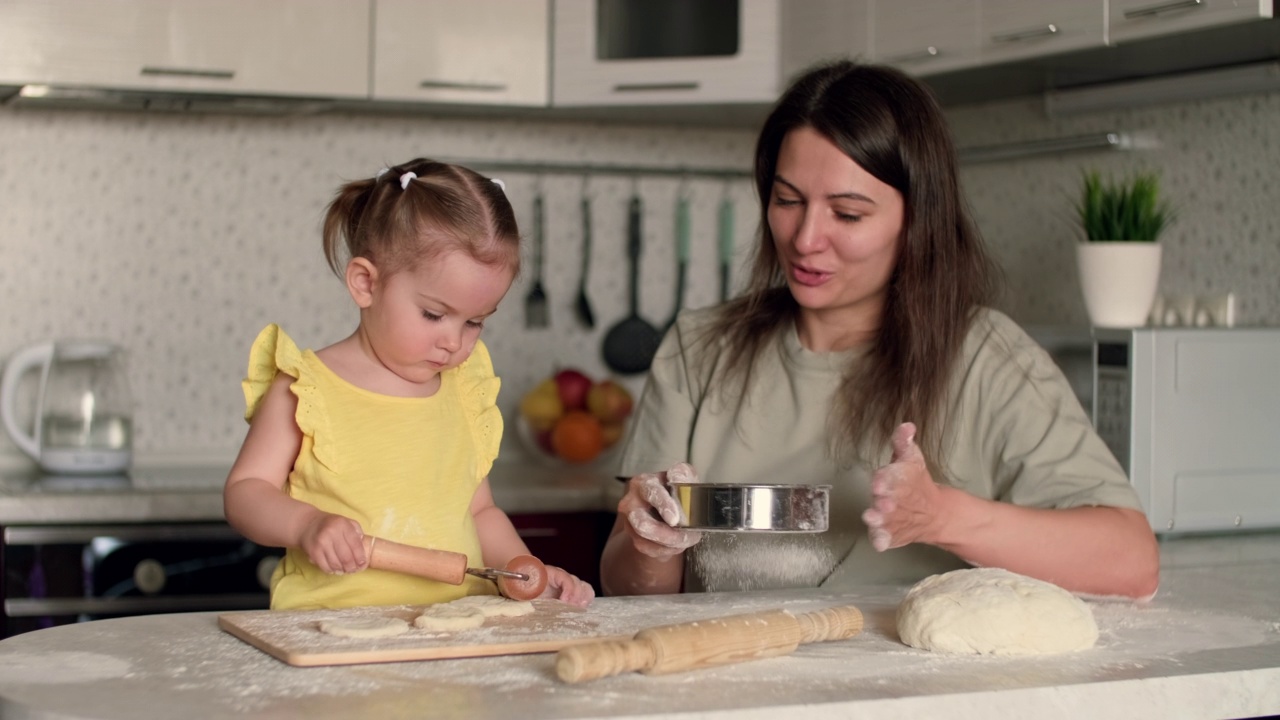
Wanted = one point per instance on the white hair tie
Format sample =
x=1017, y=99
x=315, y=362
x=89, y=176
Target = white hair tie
x=381, y=172
x=406, y=178
x=499, y=183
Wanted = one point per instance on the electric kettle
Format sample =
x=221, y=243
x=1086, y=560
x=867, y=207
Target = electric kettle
x=83, y=410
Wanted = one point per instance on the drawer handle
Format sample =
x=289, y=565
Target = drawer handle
x=1041, y=32
x=928, y=53
x=654, y=87
x=453, y=85
x=537, y=532
x=1162, y=8
x=189, y=72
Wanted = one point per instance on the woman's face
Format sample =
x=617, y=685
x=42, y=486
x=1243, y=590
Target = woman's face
x=836, y=230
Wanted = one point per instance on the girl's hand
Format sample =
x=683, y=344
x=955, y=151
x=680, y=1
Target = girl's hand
x=567, y=587
x=904, y=498
x=650, y=513
x=334, y=544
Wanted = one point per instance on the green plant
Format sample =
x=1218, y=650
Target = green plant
x=1130, y=210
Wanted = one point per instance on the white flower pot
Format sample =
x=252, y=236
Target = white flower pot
x=1119, y=280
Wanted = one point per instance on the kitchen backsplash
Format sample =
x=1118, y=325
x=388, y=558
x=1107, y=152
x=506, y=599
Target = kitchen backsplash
x=180, y=236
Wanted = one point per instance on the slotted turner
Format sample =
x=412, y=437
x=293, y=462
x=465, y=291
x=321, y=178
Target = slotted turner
x=535, y=303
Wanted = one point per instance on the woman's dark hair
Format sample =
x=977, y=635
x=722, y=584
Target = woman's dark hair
x=891, y=126
x=413, y=212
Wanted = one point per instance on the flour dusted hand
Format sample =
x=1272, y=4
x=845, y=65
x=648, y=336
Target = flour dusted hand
x=651, y=513
x=994, y=611
x=567, y=587
x=333, y=544
x=904, y=496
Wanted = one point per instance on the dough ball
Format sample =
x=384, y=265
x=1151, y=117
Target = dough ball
x=371, y=627
x=994, y=611
x=495, y=606
x=447, y=616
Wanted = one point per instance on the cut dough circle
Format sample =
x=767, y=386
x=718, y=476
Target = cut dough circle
x=372, y=627
x=994, y=611
x=470, y=612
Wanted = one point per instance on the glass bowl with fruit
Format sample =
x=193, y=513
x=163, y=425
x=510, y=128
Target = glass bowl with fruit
x=572, y=418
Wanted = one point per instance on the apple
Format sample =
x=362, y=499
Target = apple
x=609, y=401
x=612, y=433
x=573, y=385
x=541, y=407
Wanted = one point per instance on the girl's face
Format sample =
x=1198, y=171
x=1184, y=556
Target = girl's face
x=836, y=229
x=422, y=322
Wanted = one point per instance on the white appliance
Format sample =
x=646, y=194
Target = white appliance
x=1193, y=415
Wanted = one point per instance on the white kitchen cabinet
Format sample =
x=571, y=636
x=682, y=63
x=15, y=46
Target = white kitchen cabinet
x=666, y=52
x=487, y=52
x=281, y=47
x=1134, y=19
x=1022, y=29
x=923, y=37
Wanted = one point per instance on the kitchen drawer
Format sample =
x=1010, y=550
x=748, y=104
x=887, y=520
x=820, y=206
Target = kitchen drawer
x=572, y=540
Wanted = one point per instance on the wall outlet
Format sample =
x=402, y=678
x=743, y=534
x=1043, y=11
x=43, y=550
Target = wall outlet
x=1215, y=310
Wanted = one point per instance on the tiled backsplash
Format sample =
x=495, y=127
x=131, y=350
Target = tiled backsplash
x=180, y=236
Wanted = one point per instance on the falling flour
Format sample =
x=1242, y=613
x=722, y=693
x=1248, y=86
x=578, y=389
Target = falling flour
x=745, y=561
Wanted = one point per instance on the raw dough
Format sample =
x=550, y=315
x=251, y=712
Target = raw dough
x=372, y=627
x=994, y=611
x=470, y=612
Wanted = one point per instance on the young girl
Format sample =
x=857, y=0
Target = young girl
x=391, y=431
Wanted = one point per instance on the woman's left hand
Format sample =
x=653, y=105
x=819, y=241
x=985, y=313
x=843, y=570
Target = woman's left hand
x=905, y=501
x=567, y=587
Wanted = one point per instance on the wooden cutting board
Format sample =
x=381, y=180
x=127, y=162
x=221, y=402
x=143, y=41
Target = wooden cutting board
x=294, y=636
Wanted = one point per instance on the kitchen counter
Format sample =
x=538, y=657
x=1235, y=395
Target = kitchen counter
x=1207, y=646
x=194, y=494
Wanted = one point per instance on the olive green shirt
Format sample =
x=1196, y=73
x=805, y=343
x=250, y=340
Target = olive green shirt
x=1016, y=434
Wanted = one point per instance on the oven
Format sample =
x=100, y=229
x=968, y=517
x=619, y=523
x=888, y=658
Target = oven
x=56, y=574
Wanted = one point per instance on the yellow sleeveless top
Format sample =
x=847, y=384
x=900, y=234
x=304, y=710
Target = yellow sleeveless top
x=404, y=468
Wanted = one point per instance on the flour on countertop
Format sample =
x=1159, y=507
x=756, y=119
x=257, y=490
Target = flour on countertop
x=55, y=668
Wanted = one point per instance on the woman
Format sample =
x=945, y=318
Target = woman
x=862, y=354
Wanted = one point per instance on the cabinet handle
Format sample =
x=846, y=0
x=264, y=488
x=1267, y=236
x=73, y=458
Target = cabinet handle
x=1161, y=8
x=655, y=87
x=537, y=532
x=188, y=72
x=1013, y=37
x=452, y=85
x=928, y=53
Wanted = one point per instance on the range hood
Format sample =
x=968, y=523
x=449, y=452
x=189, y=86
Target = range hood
x=96, y=98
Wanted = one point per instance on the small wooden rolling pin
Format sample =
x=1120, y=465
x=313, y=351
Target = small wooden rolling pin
x=523, y=578
x=706, y=643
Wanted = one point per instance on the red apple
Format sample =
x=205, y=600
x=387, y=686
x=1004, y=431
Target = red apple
x=609, y=401
x=573, y=385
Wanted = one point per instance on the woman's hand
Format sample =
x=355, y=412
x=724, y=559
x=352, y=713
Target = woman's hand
x=649, y=513
x=566, y=587
x=334, y=544
x=904, y=498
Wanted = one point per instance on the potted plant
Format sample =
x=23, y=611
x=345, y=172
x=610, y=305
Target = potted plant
x=1119, y=259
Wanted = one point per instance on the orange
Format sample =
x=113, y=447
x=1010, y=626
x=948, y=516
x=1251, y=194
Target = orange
x=577, y=437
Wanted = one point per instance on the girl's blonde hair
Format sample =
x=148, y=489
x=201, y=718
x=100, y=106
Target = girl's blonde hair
x=411, y=213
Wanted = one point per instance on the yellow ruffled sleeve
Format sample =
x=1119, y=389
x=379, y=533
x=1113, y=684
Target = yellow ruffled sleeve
x=275, y=352
x=478, y=389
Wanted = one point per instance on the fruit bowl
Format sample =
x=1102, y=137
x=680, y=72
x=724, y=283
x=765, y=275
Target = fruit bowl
x=569, y=418
x=537, y=444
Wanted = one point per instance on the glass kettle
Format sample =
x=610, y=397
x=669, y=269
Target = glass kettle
x=83, y=410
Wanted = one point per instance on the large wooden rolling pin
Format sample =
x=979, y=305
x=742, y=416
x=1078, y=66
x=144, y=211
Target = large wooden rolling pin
x=706, y=643
x=523, y=578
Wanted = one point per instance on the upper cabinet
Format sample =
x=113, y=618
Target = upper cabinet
x=1022, y=29
x=676, y=52
x=1134, y=19
x=926, y=36
x=281, y=47
x=487, y=52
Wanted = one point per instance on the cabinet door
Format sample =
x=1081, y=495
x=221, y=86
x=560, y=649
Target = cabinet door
x=1133, y=19
x=1018, y=29
x=286, y=47
x=478, y=51
x=585, y=74
x=814, y=31
x=924, y=37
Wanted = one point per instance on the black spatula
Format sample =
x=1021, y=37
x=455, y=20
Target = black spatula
x=630, y=344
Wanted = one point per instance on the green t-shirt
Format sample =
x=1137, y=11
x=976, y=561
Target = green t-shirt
x=1016, y=434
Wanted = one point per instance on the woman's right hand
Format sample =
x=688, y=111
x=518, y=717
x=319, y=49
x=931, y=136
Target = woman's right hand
x=334, y=544
x=650, y=514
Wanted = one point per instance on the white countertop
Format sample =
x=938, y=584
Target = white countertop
x=1207, y=646
x=194, y=493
